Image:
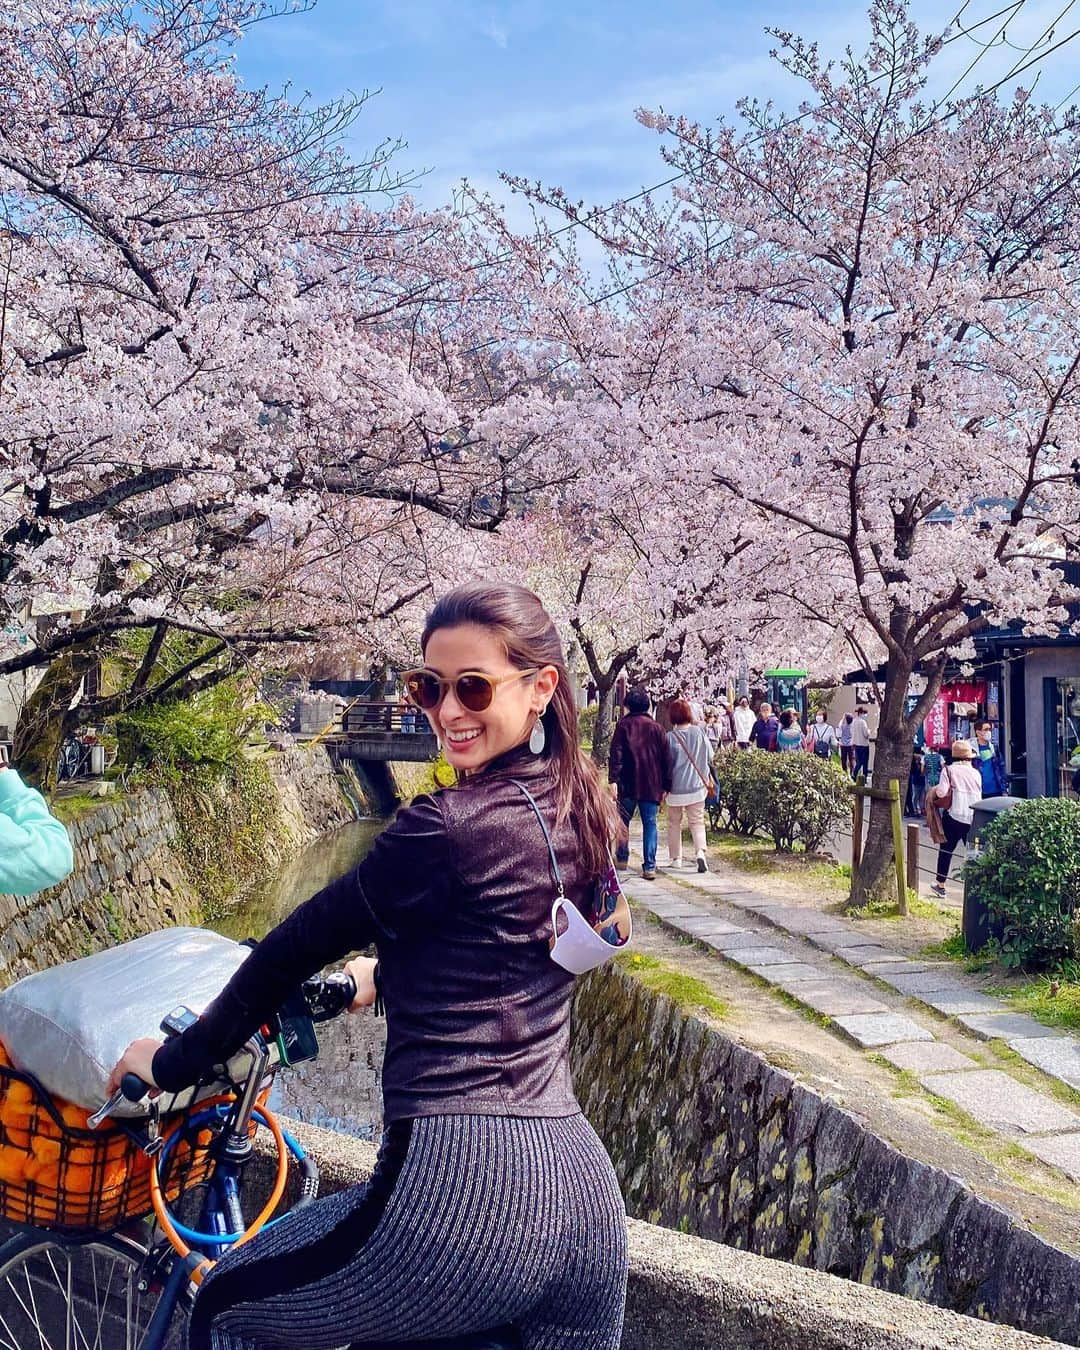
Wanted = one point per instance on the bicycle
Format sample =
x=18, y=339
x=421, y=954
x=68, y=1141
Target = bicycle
x=132, y=1288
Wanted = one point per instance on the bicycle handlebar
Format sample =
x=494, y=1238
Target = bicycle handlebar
x=326, y=996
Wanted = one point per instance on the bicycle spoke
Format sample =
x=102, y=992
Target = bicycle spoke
x=78, y=1297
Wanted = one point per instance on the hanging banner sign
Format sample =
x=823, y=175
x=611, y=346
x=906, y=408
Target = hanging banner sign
x=936, y=726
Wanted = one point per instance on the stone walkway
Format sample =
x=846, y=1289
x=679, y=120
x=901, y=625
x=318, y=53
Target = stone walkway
x=825, y=964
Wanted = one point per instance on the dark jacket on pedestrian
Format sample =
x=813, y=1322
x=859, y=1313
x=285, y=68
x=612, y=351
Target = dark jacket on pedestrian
x=991, y=767
x=764, y=732
x=639, y=761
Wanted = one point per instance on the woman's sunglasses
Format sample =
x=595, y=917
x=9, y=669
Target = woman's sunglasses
x=473, y=690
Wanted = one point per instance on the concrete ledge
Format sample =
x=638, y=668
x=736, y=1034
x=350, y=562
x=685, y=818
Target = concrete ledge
x=690, y=1294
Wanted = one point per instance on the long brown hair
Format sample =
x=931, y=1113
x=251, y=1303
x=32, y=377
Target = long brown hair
x=518, y=619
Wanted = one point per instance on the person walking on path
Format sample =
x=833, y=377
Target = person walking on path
x=766, y=728
x=860, y=745
x=916, y=790
x=639, y=771
x=989, y=760
x=35, y=850
x=790, y=735
x=958, y=789
x=727, y=726
x=492, y=1202
x=843, y=739
x=821, y=738
x=691, y=783
x=711, y=728
x=743, y=719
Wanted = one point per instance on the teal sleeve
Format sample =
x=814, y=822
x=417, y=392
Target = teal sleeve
x=35, y=850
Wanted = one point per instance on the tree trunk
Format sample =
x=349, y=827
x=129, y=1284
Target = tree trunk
x=40, y=728
x=605, y=721
x=892, y=759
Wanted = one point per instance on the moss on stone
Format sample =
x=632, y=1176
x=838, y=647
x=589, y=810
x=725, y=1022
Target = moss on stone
x=686, y=992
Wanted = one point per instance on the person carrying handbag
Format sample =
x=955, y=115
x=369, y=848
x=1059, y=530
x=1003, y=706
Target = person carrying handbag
x=959, y=788
x=691, y=783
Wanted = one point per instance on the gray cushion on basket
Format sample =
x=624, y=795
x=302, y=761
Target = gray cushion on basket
x=70, y=1024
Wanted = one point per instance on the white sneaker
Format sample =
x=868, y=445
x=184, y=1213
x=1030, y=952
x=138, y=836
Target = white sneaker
x=674, y=864
x=702, y=865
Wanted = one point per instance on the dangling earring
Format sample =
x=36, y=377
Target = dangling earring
x=537, y=738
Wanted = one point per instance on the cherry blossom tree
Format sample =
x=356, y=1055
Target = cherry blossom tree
x=866, y=332
x=220, y=337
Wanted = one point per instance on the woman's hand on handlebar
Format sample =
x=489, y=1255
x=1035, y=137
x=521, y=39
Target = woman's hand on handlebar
x=138, y=1058
x=362, y=970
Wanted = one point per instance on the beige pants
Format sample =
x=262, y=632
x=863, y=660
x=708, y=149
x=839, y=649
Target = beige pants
x=695, y=818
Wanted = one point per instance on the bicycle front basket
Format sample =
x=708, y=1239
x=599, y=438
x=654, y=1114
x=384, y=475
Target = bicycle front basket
x=57, y=1174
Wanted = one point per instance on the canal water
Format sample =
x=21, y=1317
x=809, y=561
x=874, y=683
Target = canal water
x=341, y=1090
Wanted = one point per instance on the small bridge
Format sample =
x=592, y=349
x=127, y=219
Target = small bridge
x=381, y=731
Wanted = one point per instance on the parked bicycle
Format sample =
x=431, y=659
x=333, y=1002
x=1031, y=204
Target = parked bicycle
x=69, y=1284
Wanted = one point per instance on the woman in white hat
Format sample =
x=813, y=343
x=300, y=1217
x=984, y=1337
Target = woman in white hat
x=957, y=791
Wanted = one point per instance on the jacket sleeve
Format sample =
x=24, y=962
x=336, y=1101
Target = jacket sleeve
x=35, y=850
x=754, y=731
x=403, y=885
x=666, y=757
x=615, y=754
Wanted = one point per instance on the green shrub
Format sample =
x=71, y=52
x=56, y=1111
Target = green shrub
x=209, y=730
x=740, y=805
x=1028, y=875
x=794, y=798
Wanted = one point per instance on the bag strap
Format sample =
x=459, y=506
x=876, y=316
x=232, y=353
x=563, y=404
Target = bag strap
x=547, y=836
x=693, y=761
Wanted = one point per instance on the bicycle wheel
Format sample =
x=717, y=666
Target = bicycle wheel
x=78, y=1295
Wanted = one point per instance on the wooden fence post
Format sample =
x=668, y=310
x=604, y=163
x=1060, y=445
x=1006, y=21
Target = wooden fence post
x=898, y=844
x=913, y=844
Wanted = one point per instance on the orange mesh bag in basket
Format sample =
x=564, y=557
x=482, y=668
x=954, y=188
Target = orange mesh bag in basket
x=57, y=1174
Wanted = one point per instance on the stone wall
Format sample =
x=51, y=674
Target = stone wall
x=130, y=878
x=689, y=1294
x=707, y=1137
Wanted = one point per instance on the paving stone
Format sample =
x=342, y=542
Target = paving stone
x=831, y=942
x=1060, y=1150
x=710, y=927
x=925, y=982
x=834, y=1000
x=733, y=942
x=898, y=966
x=797, y=920
x=763, y=956
x=855, y=956
x=874, y=1029
x=1055, y=1055
x=1005, y=1026
x=954, y=1002
x=797, y=973
x=676, y=909
x=995, y=1099
x=927, y=1057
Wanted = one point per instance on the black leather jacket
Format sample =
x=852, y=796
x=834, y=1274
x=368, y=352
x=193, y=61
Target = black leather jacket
x=456, y=896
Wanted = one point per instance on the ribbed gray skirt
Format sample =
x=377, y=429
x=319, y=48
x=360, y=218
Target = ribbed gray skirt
x=469, y=1222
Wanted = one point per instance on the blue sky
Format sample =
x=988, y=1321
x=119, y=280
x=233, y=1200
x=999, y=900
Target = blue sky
x=548, y=88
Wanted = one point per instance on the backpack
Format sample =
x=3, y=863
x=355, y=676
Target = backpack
x=822, y=747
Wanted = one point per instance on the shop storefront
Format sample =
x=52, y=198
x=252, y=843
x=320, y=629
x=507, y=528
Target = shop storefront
x=1062, y=718
x=957, y=708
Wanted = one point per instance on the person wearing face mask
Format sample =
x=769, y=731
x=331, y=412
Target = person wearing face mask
x=35, y=851
x=493, y=1203
x=989, y=760
x=821, y=738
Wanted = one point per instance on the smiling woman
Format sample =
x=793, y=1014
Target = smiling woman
x=493, y=1203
